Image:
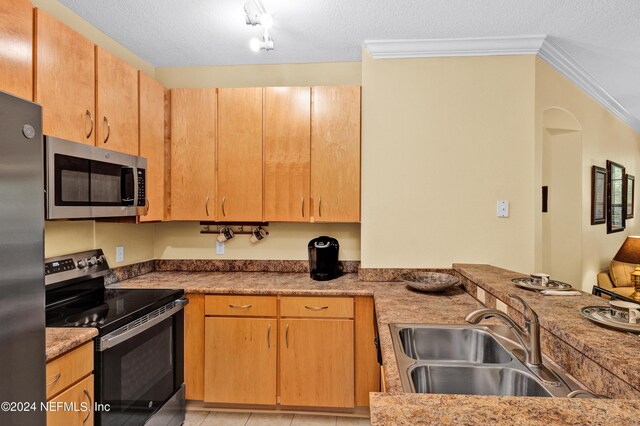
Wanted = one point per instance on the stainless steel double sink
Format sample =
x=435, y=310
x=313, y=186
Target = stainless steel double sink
x=472, y=360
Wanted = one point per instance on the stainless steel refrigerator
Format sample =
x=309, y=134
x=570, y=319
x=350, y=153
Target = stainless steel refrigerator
x=22, y=316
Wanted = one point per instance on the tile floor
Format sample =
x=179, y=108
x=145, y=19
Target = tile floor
x=217, y=418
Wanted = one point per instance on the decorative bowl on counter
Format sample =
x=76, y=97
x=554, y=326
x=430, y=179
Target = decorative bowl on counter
x=430, y=282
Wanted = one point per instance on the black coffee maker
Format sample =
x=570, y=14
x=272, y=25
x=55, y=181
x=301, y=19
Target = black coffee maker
x=323, y=259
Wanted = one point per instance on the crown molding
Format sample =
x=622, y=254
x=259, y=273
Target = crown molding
x=539, y=45
x=562, y=62
x=481, y=46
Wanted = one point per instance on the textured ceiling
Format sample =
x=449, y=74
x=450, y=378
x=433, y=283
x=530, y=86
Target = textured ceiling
x=601, y=35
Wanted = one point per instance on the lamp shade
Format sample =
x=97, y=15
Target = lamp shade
x=630, y=251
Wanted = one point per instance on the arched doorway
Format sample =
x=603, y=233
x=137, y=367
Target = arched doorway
x=562, y=176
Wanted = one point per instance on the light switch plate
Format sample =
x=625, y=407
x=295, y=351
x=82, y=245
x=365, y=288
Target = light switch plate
x=219, y=247
x=503, y=208
x=119, y=254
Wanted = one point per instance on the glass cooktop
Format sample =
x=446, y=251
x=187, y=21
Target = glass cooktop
x=109, y=309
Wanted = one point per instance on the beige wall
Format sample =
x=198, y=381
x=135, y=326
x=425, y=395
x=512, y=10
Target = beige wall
x=63, y=237
x=71, y=19
x=286, y=241
x=604, y=137
x=315, y=74
x=443, y=139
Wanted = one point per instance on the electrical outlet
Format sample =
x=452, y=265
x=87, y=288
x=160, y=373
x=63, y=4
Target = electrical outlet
x=503, y=208
x=119, y=254
x=219, y=247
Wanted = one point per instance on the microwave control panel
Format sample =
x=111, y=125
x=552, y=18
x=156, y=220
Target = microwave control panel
x=142, y=197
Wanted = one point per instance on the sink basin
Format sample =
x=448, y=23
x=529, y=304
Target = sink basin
x=452, y=344
x=471, y=360
x=470, y=380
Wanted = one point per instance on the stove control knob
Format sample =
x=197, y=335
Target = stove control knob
x=82, y=263
x=100, y=260
x=93, y=261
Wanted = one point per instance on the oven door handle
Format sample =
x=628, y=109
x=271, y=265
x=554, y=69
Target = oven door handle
x=138, y=326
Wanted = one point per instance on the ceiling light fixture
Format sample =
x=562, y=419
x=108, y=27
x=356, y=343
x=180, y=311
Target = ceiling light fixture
x=265, y=44
x=257, y=15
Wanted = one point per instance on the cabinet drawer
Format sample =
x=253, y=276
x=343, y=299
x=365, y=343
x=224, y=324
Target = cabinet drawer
x=64, y=371
x=241, y=306
x=322, y=307
x=78, y=397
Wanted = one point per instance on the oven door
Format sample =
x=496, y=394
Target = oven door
x=140, y=369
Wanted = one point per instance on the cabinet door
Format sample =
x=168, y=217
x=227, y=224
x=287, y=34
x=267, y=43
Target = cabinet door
x=335, y=153
x=287, y=154
x=193, y=137
x=240, y=360
x=194, y=347
x=316, y=363
x=80, y=396
x=16, y=35
x=64, y=80
x=117, y=103
x=239, y=155
x=151, y=99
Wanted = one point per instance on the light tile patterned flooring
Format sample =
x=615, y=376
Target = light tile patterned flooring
x=218, y=418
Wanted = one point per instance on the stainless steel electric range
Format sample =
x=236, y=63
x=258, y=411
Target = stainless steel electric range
x=139, y=352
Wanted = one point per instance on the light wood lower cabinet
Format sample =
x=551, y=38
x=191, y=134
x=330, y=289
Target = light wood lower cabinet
x=289, y=351
x=73, y=406
x=240, y=360
x=316, y=363
x=70, y=396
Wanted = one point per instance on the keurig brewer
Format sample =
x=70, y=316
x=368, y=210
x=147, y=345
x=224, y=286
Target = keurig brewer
x=323, y=259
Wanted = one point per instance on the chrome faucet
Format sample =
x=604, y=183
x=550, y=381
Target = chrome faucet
x=529, y=338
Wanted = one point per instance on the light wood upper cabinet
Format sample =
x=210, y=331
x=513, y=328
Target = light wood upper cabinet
x=239, y=155
x=64, y=80
x=240, y=360
x=317, y=363
x=193, y=137
x=151, y=97
x=16, y=47
x=335, y=153
x=287, y=154
x=117, y=103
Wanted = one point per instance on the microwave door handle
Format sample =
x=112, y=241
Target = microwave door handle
x=135, y=186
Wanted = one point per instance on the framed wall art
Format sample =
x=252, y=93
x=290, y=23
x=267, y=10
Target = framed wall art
x=616, y=197
x=598, y=195
x=631, y=184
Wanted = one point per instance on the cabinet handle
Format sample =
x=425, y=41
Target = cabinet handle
x=320, y=207
x=286, y=335
x=106, y=120
x=55, y=379
x=302, y=206
x=206, y=205
x=92, y=123
x=148, y=203
x=223, y=200
x=240, y=306
x=316, y=308
x=269, y=336
x=86, y=392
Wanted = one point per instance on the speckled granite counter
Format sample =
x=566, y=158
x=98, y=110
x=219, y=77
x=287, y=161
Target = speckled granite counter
x=605, y=360
x=467, y=410
x=61, y=340
x=395, y=303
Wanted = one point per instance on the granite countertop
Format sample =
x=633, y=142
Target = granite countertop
x=61, y=340
x=395, y=303
x=617, y=350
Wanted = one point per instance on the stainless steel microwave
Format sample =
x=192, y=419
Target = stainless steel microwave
x=83, y=181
